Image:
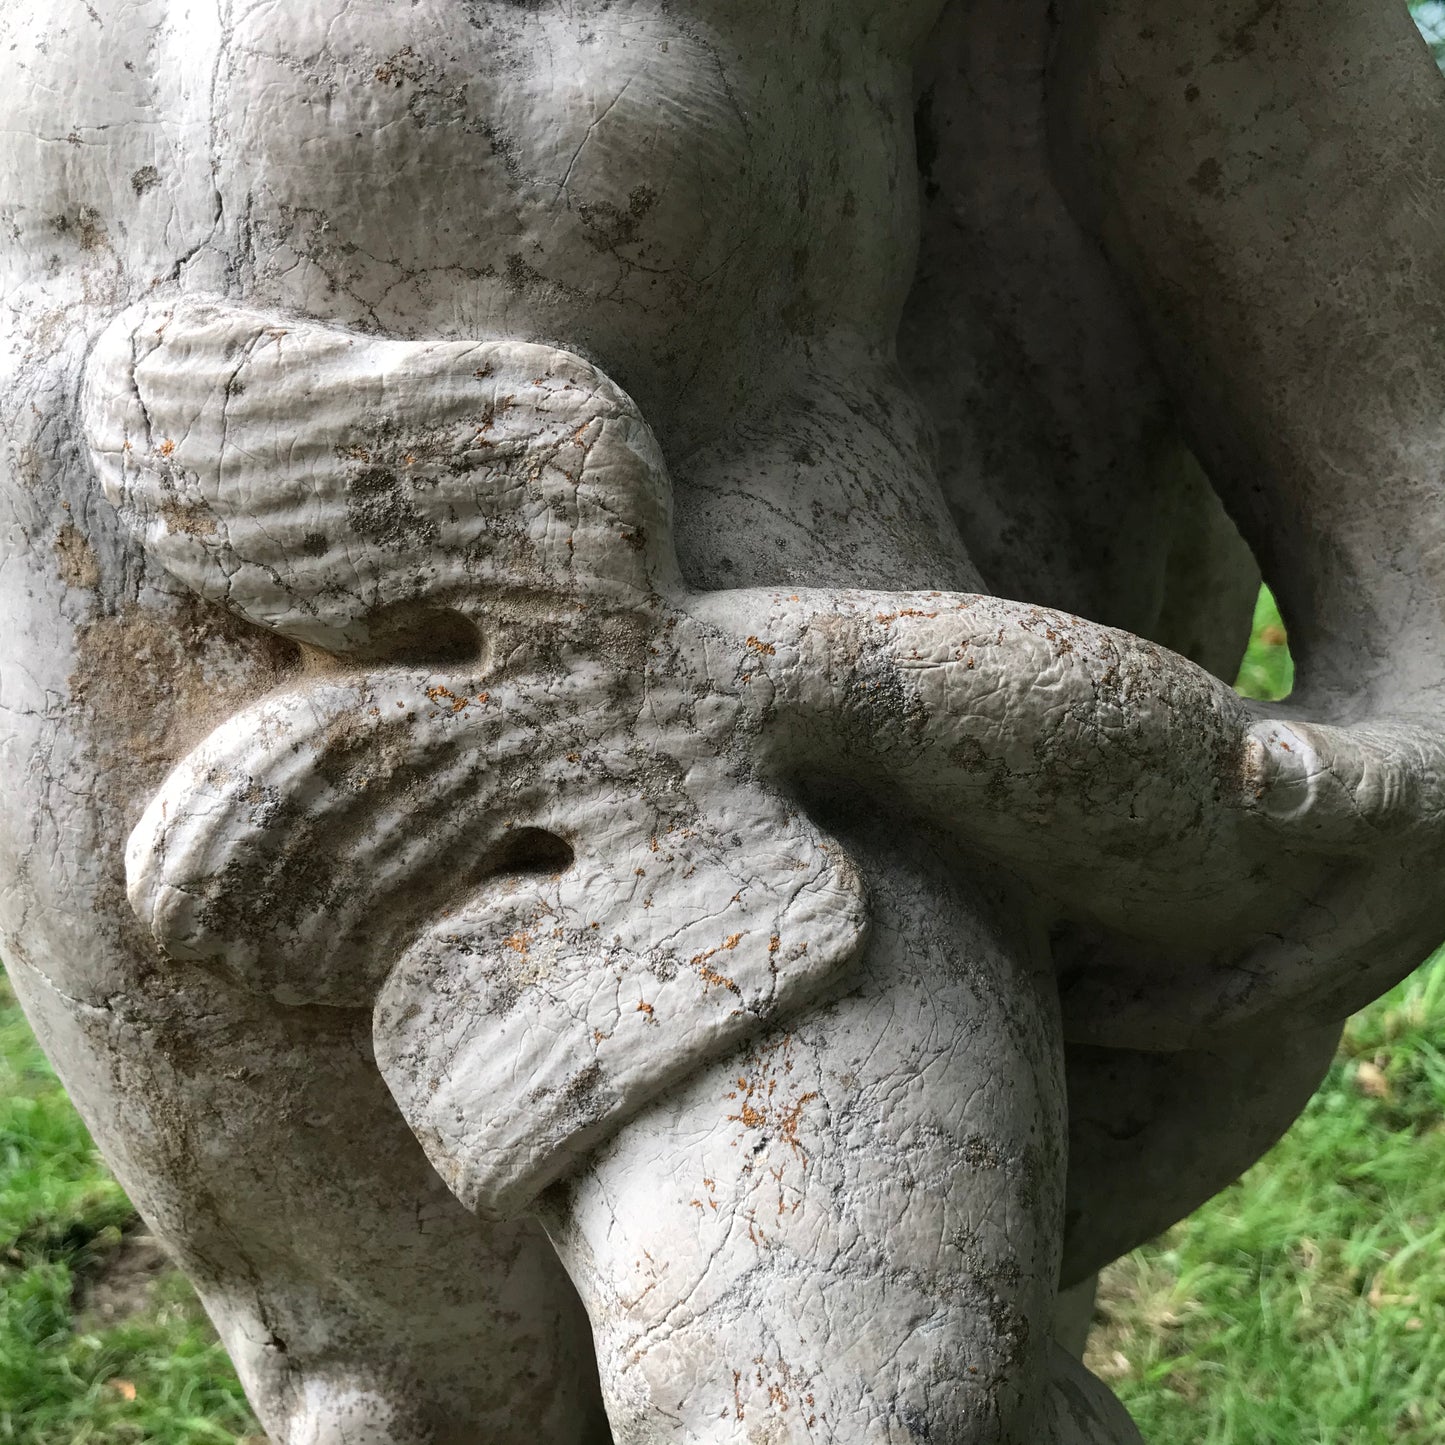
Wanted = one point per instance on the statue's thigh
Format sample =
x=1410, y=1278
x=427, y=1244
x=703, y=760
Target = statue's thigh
x=848, y=1232
x=1152, y=1136
x=359, y=1300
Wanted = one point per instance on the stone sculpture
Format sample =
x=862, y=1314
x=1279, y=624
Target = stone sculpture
x=523, y=791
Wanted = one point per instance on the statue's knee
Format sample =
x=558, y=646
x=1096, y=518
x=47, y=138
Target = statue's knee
x=359, y=1400
x=348, y=1409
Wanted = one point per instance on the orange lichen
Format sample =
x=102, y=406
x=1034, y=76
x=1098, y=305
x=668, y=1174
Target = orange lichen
x=759, y=1106
x=720, y=980
x=444, y=695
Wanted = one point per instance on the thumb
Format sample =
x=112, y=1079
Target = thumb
x=1348, y=788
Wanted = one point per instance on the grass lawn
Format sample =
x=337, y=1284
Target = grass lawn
x=1303, y=1306
x=101, y=1342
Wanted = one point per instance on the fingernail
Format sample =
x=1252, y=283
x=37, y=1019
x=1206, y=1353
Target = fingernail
x=1281, y=768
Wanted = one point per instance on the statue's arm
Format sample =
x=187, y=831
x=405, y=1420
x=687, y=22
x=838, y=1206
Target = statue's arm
x=1269, y=180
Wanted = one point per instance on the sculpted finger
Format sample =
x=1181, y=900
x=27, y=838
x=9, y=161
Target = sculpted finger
x=1351, y=789
x=1229, y=867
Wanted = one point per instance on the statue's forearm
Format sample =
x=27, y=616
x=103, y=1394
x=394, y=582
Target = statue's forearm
x=1270, y=180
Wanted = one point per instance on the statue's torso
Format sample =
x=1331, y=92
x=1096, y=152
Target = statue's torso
x=728, y=228
x=651, y=186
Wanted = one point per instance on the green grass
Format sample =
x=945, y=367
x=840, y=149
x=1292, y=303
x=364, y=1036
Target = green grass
x=1267, y=670
x=1303, y=1306
x=156, y=1375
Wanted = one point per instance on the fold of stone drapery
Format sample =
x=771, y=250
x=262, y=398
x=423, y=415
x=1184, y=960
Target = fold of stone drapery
x=530, y=855
x=552, y=927
x=533, y=802
x=321, y=483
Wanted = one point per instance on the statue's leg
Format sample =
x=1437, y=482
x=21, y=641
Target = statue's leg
x=1152, y=1136
x=1074, y=1314
x=848, y=1232
x=360, y=1302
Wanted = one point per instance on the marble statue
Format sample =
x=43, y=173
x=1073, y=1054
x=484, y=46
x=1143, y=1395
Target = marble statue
x=533, y=835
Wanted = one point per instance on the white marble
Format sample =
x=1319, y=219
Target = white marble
x=542, y=851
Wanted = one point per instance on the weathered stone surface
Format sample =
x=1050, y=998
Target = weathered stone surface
x=531, y=794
